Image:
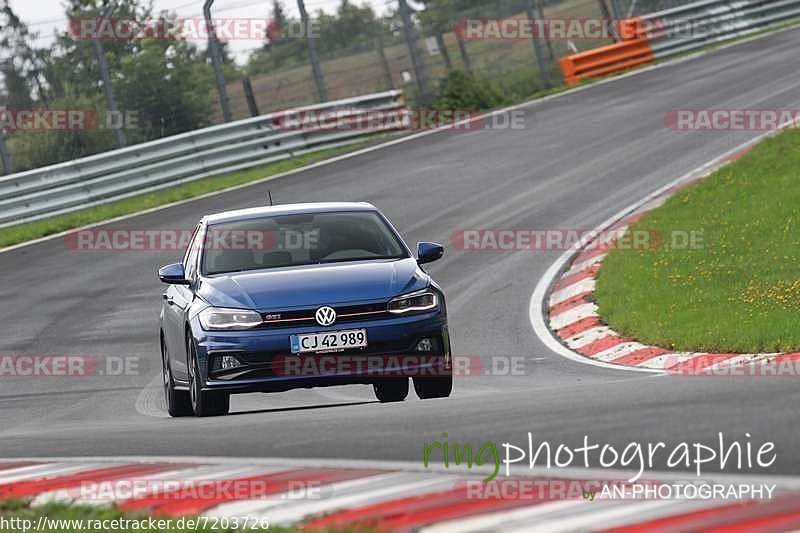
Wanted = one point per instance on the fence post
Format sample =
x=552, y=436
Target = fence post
x=216, y=63
x=387, y=71
x=541, y=59
x=462, y=49
x=313, y=56
x=411, y=41
x=5, y=157
x=102, y=65
x=443, y=49
x=250, y=97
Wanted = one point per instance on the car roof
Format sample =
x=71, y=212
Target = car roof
x=287, y=209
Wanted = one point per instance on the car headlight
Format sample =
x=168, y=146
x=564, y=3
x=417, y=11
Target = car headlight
x=220, y=318
x=423, y=300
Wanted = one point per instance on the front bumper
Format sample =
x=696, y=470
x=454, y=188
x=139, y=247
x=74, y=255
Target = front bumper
x=269, y=366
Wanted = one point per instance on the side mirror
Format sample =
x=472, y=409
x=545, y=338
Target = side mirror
x=173, y=274
x=428, y=251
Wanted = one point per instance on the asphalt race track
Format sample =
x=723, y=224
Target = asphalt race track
x=581, y=158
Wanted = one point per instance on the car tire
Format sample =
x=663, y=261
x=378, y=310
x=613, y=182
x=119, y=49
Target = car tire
x=437, y=386
x=429, y=388
x=204, y=403
x=178, y=402
x=391, y=389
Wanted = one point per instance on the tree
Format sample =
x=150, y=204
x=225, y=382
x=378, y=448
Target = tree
x=281, y=46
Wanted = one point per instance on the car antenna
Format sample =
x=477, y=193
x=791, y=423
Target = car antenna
x=269, y=194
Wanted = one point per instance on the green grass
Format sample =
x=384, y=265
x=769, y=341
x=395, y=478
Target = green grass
x=34, y=230
x=740, y=291
x=13, y=509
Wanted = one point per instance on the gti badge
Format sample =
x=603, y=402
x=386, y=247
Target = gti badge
x=325, y=316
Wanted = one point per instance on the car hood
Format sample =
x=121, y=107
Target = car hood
x=313, y=285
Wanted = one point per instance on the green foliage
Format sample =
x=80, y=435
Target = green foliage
x=33, y=148
x=168, y=85
x=462, y=91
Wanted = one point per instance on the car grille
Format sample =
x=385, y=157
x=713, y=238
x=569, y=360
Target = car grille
x=349, y=313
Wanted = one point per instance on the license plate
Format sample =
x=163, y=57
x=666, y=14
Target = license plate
x=329, y=341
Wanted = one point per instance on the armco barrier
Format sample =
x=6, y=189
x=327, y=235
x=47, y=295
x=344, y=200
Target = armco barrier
x=117, y=174
x=605, y=60
x=693, y=26
x=678, y=30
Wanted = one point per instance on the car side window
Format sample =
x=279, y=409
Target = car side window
x=190, y=259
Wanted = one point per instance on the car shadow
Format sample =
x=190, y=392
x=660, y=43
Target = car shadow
x=301, y=408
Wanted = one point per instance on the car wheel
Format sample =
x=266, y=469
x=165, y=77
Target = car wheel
x=436, y=386
x=391, y=389
x=428, y=388
x=204, y=403
x=178, y=403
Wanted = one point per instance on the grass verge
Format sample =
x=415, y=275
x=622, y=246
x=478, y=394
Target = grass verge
x=738, y=291
x=17, y=517
x=42, y=228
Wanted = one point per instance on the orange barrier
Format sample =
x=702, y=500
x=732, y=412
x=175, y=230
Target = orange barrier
x=605, y=60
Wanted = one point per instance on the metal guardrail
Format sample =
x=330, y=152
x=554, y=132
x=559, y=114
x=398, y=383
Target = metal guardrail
x=675, y=31
x=692, y=26
x=118, y=174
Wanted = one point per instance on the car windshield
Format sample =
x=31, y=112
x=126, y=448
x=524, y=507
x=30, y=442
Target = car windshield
x=298, y=239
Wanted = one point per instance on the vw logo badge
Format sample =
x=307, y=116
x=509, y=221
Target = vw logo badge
x=325, y=316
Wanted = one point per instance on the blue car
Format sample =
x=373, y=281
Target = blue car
x=298, y=296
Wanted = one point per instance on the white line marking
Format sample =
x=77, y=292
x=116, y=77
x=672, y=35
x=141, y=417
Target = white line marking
x=589, y=336
x=496, y=521
x=618, y=351
x=662, y=362
x=590, y=521
x=45, y=471
x=571, y=291
x=585, y=265
x=573, y=315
